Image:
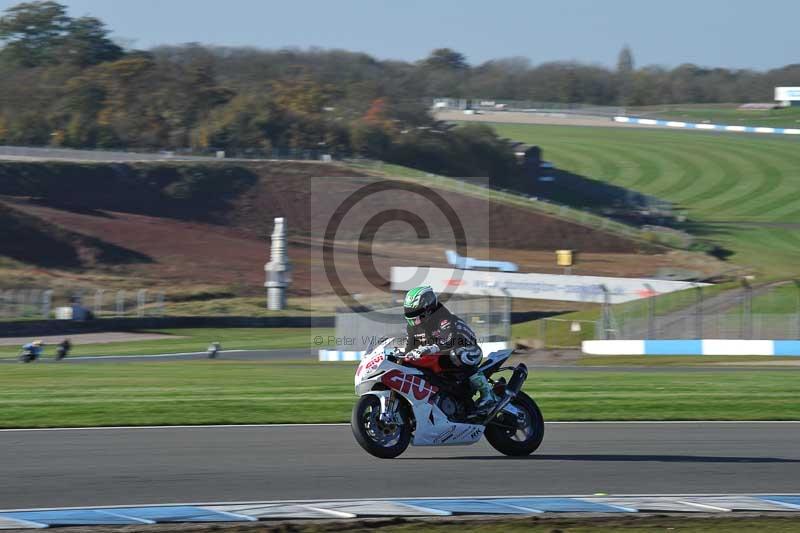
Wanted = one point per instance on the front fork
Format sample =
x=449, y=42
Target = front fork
x=388, y=414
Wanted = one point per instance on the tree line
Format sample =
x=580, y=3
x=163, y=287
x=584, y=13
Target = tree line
x=65, y=82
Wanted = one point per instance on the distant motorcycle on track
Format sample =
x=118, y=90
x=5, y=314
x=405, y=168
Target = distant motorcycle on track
x=213, y=350
x=400, y=404
x=63, y=349
x=27, y=356
x=31, y=352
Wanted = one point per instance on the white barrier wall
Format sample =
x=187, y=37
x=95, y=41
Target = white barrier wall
x=340, y=355
x=533, y=286
x=692, y=347
x=703, y=126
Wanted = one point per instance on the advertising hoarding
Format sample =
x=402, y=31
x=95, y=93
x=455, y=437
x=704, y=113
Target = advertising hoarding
x=787, y=94
x=533, y=286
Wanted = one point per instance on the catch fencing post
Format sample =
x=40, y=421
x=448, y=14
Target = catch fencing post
x=160, y=304
x=698, y=312
x=747, y=309
x=98, y=302
x=141, y=301
x=543, y=331
x=797, y=311
x=606, y=311
x=507, y=316
x=47, y=302
x=651, y=312
x=120, y=303
x=8, y=297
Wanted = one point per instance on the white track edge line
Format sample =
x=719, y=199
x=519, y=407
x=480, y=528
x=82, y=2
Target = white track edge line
x=128, y=517
x=703, y=506
x=92, y=357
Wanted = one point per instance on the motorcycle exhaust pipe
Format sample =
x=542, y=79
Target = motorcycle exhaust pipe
x=518, y=377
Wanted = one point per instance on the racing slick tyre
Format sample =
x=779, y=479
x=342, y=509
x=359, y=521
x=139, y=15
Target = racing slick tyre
x=382, y=440
x=517, y=437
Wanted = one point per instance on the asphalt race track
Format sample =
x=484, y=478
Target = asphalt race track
x=87, y=467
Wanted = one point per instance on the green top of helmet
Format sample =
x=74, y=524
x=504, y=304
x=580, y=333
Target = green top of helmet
x=419, y=302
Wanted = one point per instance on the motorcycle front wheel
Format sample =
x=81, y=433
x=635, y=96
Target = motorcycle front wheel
x=517, y=437
x=378, y=438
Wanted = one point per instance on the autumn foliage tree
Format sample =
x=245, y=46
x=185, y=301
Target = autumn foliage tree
x=65, y=82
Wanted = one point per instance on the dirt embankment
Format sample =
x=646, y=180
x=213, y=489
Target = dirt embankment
x=209, y=222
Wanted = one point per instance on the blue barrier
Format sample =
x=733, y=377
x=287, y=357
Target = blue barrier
x=704, y=127
x=787, y=348
x=677, y=347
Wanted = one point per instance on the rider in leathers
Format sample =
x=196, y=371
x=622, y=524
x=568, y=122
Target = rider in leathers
x=432, y=329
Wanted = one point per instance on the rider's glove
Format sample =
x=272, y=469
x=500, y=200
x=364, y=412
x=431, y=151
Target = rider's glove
x=413, y=355
x=422, y=350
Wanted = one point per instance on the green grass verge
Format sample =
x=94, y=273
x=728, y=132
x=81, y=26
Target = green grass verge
x=784, y=299
x=742, y=192
x=230, y=392
x=195, y=340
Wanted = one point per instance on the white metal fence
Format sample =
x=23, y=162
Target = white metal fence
x=38, y=303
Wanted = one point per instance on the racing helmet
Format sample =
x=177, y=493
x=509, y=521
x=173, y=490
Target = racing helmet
x=419, y=304
x=37, y=343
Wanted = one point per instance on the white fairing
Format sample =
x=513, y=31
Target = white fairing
x=433, y=428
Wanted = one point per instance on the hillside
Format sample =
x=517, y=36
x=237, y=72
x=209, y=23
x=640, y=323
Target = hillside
x=33, y=239
x=741, y=192
x=178, y=225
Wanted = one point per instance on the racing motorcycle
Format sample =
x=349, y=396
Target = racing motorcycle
x=27, y=356
x=401, y=404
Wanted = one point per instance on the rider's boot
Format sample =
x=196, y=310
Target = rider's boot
x=487, y=399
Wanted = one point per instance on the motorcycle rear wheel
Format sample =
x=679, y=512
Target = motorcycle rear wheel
x=378, y=439
x=520, y=440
